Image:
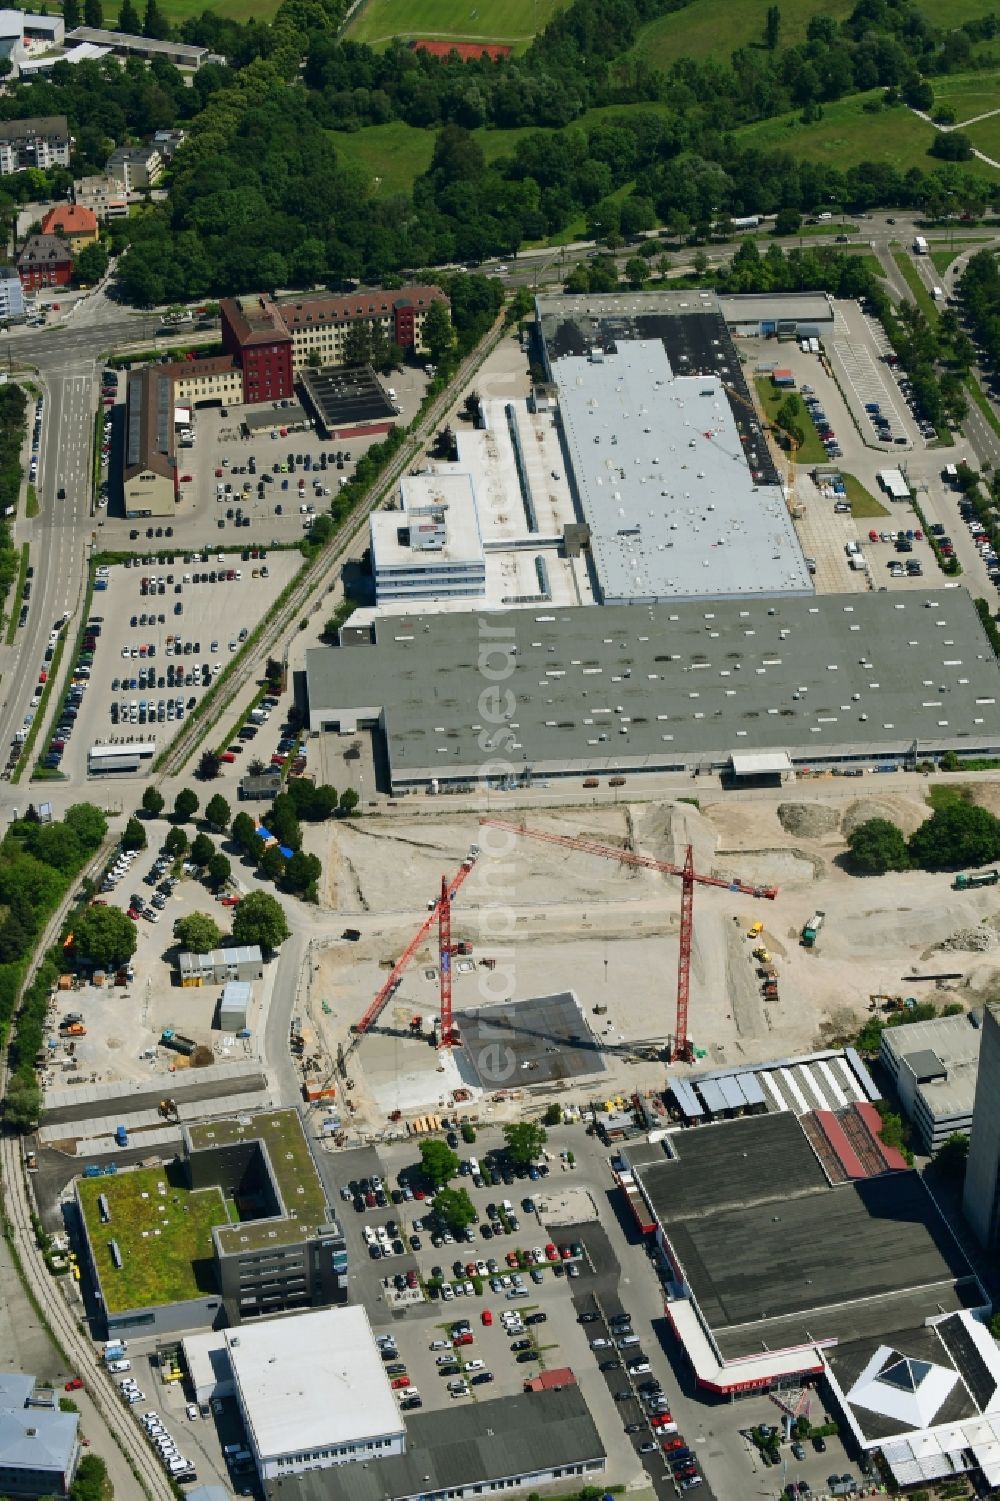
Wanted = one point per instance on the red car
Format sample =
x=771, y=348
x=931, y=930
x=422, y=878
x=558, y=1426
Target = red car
x=231, y=901
x=512, y=1258
x=418, y=1193
x=486, y=1317
x=674, y=1443
x=133, y=914
x=411, y=1278
x=551, y=1253
x=463, y=1339
x=75, y=1384
x=186, y=479
x=661, y=1419
x=399, y=1382
x=873, y=535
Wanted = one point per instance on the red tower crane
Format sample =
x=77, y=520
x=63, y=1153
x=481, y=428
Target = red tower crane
x=689, y=879
x=682, y=1043
x=440, y=914
x=447, y=1036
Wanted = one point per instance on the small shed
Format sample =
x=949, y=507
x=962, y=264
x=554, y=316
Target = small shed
x=234, y=1007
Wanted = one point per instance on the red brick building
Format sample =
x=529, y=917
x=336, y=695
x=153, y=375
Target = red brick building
x=255, y=335
x=45, y=261
x=273, y=340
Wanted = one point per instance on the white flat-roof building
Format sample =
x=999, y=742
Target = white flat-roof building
x=431, y=548
x=661, y=479
x=525, y=521
x=313, y=1392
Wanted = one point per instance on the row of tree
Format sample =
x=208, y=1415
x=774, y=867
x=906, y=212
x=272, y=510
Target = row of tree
x=13, y=423
x=38, y=863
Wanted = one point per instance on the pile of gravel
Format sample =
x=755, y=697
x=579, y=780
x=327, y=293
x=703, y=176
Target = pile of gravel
x=807, y=820
x=980, y=940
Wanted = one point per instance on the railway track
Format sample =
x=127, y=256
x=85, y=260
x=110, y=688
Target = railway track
x=306, y=596
x=77, y=1347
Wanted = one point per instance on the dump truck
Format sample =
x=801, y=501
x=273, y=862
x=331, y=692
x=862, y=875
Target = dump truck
x=980, y=878
x=761, y=954
x=176, y=1040
x=811, y=929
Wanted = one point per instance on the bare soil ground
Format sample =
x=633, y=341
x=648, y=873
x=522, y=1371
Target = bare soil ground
x=557, y=918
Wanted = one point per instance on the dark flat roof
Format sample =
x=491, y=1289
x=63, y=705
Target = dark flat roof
x=460, y=1445
x=775, y=1256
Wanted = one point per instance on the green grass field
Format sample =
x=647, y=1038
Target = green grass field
x=847, y=135
x=863, y=502
x=165, y=1238
x=514, y=23
x=923, y=299
x=771, y=397
x=968, y=93
x=396, y=153
x=985, y=136
x=177, y=11
x=694, y=31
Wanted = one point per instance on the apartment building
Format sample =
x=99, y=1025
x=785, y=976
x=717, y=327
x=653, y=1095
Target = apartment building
x=41, y=141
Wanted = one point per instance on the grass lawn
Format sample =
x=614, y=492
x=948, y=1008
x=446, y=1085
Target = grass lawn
x=236, y=10
x=770, y=399
x=394, y=153
x=828, y=227
x=863, y=503
x=985, y=136
x=694, y=31
x=948, y=795
x=847, y=135
x=514, y=23
x=15, y=597
x=968, y=93
x=873, y=264
x=165, y=1238
x=925, y=302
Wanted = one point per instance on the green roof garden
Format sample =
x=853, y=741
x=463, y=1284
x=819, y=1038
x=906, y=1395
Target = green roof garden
x=163, y=1231
x=294, y=1171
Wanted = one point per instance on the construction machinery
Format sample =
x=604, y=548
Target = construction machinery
x=682, y=1047
x=439, y=914
x=811, y=930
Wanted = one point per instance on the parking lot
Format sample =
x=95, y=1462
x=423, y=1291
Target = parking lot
x=158, y=635
x=276, y=482
x=172, y=1425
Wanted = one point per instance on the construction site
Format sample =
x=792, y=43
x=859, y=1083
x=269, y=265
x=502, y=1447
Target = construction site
x=567, y=953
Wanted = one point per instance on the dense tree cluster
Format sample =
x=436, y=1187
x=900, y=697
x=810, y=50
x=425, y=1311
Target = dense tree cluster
x=261, y=195
x=981, y=299
x=957, y=836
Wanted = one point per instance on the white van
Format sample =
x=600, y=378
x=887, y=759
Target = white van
x=119, y=1365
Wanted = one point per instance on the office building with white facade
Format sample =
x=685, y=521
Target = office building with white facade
x=432, y=547
x=313, y=1392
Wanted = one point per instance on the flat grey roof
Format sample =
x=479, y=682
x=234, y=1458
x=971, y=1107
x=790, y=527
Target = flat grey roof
x=951, y=1041
x=782, y=307
x=662, y=479
x=143, y=44
x=775, y=1256
x=665, y=686
x=33, y=1437
x=462, y=1445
